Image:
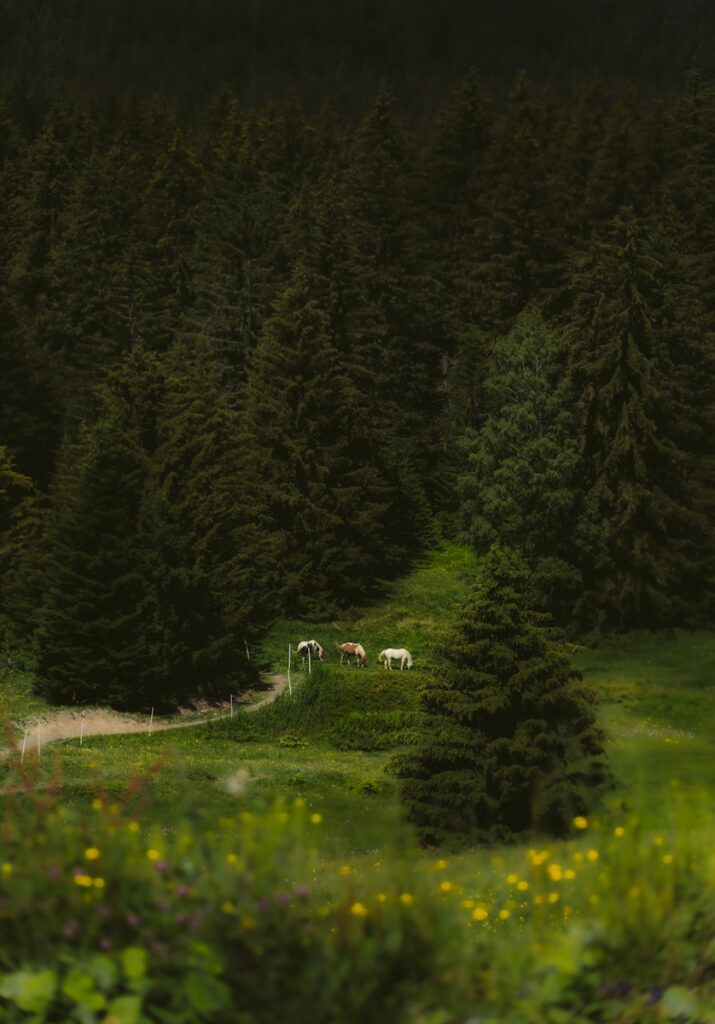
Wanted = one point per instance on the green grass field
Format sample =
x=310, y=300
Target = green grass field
x=332, y=740
x=282, y=831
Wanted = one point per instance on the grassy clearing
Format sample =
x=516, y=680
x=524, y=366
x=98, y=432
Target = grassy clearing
x=330, y=743
x=657, y=704
x=412, y=614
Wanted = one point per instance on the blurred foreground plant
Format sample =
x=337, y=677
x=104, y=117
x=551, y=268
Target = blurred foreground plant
x=107, y=919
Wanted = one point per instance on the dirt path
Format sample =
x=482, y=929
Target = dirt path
x=67, y=725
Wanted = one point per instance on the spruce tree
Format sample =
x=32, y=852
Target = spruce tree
x=640, y=367
x=521, y=479
x=327, y=498
x=22, y=551
x=508, y=742
x=130, y=612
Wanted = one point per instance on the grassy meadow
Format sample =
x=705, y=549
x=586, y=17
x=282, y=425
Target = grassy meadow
x=614, y=924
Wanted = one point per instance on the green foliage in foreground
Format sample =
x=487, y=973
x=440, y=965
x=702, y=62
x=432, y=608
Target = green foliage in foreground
x=244, y=922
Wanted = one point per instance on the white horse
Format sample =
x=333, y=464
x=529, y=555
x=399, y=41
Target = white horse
x=391, y=653
x=312, y=646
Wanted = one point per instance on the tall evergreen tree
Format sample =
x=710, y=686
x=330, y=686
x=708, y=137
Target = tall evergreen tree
x=130, y=614
x=329, y=502
x=640, y=366
x=22, y=548
x=520, y=486
x=509, y=742
x=517, y=244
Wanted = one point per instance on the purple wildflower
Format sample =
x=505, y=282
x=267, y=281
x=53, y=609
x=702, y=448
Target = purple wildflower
x=71, y=929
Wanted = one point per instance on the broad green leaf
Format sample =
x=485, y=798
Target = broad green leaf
x=31, y=991
x=134, y=962
x=124, y=1010
x=678, y=1004
x=206, y=993
x=79, y=987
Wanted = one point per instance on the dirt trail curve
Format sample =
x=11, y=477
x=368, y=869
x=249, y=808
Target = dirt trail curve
x=67, y=725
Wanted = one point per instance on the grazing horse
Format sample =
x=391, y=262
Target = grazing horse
x=389, y=653
x=348, y=650
x=316, y=651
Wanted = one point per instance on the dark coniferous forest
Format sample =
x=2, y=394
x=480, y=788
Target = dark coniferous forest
x=288, y=293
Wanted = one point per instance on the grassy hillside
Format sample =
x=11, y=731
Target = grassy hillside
x=331, y=740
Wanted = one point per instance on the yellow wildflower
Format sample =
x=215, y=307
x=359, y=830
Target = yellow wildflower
x=6, y=870
x=569, y=873
x=359, y=910
x=153, y=854
x=441, y=865
x=315, y=819
x=381, y=897
x=133, y=826
x=522, y=886
x=446, y=886
x=231, y=859
x=555, y=872
x=480, y=914
x=98, y=883
x=503, y=914
x=228, y=907
x=248, y=923
x=406, y=898
x=668, y=858
x=619, y=831
x=83, y=880
x=592, y=855
x=553, y=897
x=346, y=869
x=91, y=853
x=512, y=879
x=97, y=804
x=580, y=821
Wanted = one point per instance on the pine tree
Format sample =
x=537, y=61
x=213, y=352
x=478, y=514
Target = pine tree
x=640, y=369
x=521, y=483
x=514, y=254
x=400, y=346
x=129, y=613
x=203, y=478
x=508, y=742
x=22, y=547
x=328, y=503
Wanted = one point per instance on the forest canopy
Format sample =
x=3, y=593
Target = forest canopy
x=257, y=352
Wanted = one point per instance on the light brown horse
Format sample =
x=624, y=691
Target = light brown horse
x=349, y=650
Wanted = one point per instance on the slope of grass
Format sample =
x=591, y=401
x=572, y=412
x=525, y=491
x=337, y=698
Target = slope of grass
x=412, y=615
x=657, y=698
x=330, y=741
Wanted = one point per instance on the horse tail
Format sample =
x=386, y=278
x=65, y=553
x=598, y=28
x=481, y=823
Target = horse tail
x=338, y=646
